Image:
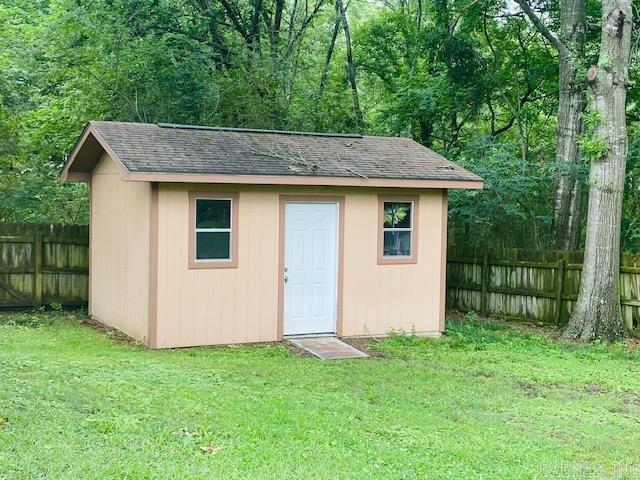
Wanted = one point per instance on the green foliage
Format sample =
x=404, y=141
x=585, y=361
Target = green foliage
x=513, y=208
x=468, y=79
x=395, y=214
x=55, y=306
x=593, y=145
x=631, y=201
x=485, y=401
x=26, y=319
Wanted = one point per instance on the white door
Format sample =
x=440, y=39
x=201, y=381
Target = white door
x=310, y=268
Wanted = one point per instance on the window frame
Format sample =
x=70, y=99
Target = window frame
x=231, y=262
x=398, y=260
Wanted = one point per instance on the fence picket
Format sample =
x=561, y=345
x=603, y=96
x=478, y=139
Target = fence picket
x=559, y=287
x=484, y=287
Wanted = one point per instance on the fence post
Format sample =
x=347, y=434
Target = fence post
x=37, y=270
x=559, y=288
x=484, y=284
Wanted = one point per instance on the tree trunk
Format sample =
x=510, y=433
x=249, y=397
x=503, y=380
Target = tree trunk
x=327, y=62
x=565, y=232
x=597, y=311
x=351, y=70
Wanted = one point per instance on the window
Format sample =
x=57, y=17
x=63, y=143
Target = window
x=213, y=232
x=398, y=227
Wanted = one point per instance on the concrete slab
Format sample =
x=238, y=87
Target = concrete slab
x=327, y=348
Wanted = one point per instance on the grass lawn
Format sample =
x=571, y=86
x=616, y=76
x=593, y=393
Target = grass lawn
x=488, y=401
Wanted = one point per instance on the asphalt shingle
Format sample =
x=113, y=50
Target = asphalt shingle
x=164, y=148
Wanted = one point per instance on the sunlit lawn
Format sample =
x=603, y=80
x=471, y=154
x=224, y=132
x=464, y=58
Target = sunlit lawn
x=488, y=401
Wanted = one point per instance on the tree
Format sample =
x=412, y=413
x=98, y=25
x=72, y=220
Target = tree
x=570, y=46
x=351, y=69
x=597, y=312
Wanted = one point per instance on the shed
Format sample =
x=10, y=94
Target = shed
x=205, y=235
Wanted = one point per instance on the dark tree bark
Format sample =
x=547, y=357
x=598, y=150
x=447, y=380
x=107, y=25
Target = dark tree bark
x=351, y=70
x=220, y=50
x=254, y=33
x=565, y=233
x=327, y=61
x=249, y=30
x=597, y=312
x=275, y=26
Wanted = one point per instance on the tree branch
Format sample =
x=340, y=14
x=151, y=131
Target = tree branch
x=235, y=20
x=457, y=19
x=509, y=124
x=307, y=21
x=537, y=22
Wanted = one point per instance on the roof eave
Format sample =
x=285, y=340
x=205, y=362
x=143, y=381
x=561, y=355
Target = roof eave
x=303, y=180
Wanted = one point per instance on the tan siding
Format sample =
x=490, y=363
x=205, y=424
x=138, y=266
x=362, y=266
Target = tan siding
x=237, y=305
x=119, y=250
x=378, y=298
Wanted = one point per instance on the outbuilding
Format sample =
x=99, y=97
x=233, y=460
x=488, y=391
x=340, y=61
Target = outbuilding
x=205, y=235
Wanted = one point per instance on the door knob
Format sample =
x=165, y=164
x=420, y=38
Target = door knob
x=286, y=278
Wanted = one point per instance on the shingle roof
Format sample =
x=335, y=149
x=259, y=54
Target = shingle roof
x=167, y=148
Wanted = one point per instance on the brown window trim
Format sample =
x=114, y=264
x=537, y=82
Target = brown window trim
x=231, y=263
x=382, y=260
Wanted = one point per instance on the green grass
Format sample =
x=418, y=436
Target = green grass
x=488, y=401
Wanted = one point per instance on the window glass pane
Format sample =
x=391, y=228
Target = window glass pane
x=397, y=243
x=397, y=215
x=213, y=245
x=213, y=213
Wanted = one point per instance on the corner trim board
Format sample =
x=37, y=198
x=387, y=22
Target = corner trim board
x=443, y=260
x=152, y=314
x=89, y=248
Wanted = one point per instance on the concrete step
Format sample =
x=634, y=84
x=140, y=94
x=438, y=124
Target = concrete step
x=327, y=348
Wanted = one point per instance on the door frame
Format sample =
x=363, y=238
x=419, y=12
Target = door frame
x=336, y=199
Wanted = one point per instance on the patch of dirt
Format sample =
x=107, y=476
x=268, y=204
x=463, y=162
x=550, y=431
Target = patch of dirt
x=631, y=398
x=621, y=410
x=210, y=449
x=633, y=344
x=364, y=344
x=112, y=333
x=529, y=389
x=296, y=350
x=594, y=388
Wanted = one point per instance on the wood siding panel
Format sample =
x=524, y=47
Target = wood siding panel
x=239, y=305
x=379, y=298
x=119, y=250
x=217, y=306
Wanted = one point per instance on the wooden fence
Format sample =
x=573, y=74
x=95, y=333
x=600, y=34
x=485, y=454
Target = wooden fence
x=534, y=285
x=42, y=264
